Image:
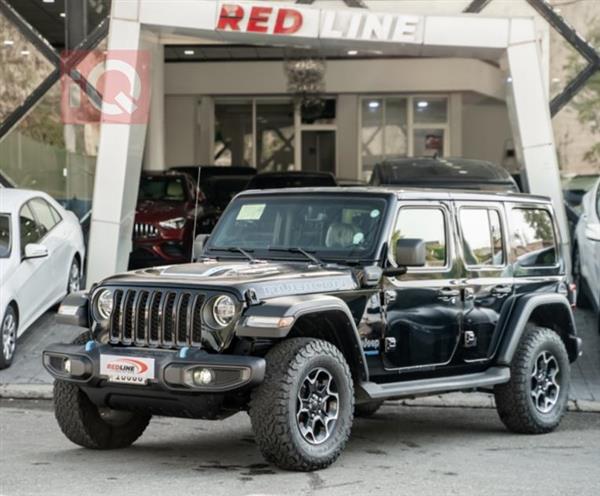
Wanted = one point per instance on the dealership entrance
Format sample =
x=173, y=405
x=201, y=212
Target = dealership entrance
x=452, y=41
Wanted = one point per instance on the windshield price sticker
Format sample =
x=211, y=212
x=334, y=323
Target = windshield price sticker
x=251, y=212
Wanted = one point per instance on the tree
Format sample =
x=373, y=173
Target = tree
x=587, y=102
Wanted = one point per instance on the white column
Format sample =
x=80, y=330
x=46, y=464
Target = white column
x=154, y=153
x=528, y=99
x=117, y=174
x=205, y=125
x=348, y=136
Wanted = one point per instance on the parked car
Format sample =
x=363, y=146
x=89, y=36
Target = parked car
x=41, y=260
x=314, y=305
x=163, y=232
x=206, y=172
x=437, y=172
x=218, y=184
x=576, y=186
x=586, y=258
x=291, y=179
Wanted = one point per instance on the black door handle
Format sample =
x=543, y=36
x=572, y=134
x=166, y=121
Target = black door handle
x=502, y=290
x=448, y=293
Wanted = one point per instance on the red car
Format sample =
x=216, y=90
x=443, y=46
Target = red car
x=163, y=232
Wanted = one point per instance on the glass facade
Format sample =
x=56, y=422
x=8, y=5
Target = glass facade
x=234, y=143
x=400, y=126
x=275, y=135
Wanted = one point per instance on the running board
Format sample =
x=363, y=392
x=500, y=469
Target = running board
x=421, y=387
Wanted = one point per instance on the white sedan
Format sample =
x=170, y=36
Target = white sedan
x=41, y=260
x=586, y=264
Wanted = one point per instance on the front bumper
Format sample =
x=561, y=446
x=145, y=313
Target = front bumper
x=173, y=369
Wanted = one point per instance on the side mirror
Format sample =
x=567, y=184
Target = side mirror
x=34, y=250
x=410, y=252
x=199, y=244
x=592, y=232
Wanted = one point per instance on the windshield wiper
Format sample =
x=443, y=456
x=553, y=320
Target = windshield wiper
x=237, y=249
x=301, y=251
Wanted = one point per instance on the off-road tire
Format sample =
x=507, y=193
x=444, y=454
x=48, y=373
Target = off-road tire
x=273, y=405
x=513, y=399
x=83, y=423
x=369, y=409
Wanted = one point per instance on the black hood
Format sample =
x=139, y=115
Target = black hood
x=267, y=279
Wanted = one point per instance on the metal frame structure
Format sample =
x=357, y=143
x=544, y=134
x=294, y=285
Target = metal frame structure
x=587, y=51
x=61, y=65
x=137, y=24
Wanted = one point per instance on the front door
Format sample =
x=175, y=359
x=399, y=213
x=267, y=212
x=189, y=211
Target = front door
x=488, y=282
x=423, y=308
x=318, y=151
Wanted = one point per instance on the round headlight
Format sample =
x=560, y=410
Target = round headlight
x=224, y=310
x=104, y=304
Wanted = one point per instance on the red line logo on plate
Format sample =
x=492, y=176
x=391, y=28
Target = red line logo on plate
x=127, y=366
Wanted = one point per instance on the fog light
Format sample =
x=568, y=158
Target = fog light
x=67, y=365
x=203, y=377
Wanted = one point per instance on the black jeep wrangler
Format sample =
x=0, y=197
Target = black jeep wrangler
x=312, y=306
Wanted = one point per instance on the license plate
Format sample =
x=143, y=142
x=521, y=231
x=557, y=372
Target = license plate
x=127, y=370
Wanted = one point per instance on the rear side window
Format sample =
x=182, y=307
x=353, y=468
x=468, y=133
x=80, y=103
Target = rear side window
x=427, y=224
x=482, y=237
x=533, y=241
x=29, y=229
x=46, y=216
x=4, y=236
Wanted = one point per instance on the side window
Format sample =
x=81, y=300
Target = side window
x=29, y=231
x=482, y=236
x=427, y=224
x=533, y=241
x=43, y=211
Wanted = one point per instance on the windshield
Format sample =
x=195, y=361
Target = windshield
x=332, y=227
x=4, y=236
x=162, y=188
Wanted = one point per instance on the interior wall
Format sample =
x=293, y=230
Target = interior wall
x=486, y=130
x=410, y=75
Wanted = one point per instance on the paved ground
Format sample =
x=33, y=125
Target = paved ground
x=27, y=366
x=402, y=450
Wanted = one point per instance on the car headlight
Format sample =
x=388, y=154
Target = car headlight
x=224, y=310
x=104, y=304
x=176, y=223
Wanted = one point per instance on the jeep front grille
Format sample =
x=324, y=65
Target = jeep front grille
x=162, y=318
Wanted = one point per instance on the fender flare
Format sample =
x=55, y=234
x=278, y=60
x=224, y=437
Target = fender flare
x=520, y=316
x=295, y=307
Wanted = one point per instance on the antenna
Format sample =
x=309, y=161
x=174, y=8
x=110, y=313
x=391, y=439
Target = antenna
x=196, y=211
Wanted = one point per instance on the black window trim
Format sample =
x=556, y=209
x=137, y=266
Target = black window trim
x=446, y=213
x=505, y=248
x=550, y=212
x=11, y=236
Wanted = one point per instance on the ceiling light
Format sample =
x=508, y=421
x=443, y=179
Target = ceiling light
x=374, y=104
x=62, y=14
x=9, y=42
x=352, y=52
x=48, y=1
x=423, y=104
x=189, y=52
x=509, y=79
x=25, y=52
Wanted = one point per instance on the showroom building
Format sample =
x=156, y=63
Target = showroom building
x=230, y=101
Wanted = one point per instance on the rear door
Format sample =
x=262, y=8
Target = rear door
x=488, y=282
x=423, y=308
